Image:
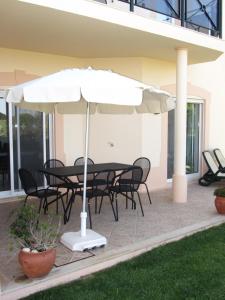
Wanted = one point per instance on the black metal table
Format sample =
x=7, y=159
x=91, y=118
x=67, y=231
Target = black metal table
x=69, y=171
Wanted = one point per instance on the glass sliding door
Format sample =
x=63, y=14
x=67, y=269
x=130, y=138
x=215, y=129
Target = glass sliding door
x=193, y=139
x=25, y=141
x=4, y=147
x=170, y=145
x=28, y=141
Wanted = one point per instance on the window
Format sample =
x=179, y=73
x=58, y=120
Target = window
x=193, y=139
x=4, y=146
x=24, y=142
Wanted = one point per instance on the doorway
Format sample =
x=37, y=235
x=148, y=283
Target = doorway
x=193, y=139
x=25, y=141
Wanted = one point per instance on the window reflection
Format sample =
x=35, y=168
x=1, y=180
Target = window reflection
x=4, y=147
x=192, y=140
x=28, y=142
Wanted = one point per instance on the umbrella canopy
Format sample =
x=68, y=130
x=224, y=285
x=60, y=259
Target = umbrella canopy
x=85, y=91
x=66, y=91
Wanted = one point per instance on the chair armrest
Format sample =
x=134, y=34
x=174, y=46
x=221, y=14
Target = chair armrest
x=222, y=170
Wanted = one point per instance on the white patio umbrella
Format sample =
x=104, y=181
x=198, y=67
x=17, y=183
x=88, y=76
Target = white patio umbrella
x=72, y=91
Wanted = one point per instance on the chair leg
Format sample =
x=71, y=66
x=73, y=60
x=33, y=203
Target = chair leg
x=57, y=203
x=111, y=202
x=139, y=198
x=45, y=205
x=40, y=205
x=25, y=201
x=67, y=196
x=100, y=206
x=89, y=214
x=57, y=206
x=126, y=201
x=149, y=198
x=63, y=206
x=96, y=204
x=117, y=208
x=133, y=201
x=132, y=197
x=69, y=207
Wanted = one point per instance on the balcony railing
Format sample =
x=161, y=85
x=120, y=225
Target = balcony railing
x=201, y=15
x=204, y=16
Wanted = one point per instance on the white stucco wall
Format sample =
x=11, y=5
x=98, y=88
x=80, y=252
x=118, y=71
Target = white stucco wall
x=211, y=76
x=124, y=138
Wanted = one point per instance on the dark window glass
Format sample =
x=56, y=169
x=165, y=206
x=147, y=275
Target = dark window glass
x=192, y=140
x=202, y=13
x=4, y=147
x=28, y=142
x=166, y=7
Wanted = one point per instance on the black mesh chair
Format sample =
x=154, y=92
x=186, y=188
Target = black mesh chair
x=60, y=183
x=30, y=187
x=90, y=177
x=145, y=164
x=101, y=185
x=54, y=181
x=79, y=162
x=127, y=183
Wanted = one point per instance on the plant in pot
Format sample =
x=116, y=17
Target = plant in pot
x=220, y=200
x=37, y=240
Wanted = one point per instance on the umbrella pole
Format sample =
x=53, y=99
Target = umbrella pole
x=83, y=214
x=85, y=238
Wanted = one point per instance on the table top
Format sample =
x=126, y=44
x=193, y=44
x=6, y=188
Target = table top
x=91, y=169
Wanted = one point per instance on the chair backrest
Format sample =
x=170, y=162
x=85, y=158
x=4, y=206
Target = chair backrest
x=53, y=163
x=219, y=157
x=27, y=181
x=145, y=164
x=211, y=164
x=135, y=177
x=103, y=180
x=79, y=162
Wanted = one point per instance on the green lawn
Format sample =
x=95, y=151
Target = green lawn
x=193, y=268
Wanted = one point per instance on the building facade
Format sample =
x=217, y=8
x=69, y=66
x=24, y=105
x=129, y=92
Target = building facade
x=175, y=45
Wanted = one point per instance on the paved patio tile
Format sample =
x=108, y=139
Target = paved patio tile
x=163, y=217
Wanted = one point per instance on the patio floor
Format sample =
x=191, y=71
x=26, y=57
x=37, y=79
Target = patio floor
x=163, y=222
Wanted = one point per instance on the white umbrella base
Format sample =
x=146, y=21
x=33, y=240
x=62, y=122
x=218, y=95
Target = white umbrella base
x=75, y=242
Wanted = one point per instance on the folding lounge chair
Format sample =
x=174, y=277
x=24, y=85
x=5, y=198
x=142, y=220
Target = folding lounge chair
x=214, y=173
x=220, y=158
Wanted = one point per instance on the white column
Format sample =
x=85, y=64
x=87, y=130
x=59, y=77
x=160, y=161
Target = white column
x=179, y=177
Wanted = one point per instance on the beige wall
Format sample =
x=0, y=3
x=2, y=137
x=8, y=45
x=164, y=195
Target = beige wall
x=124, y=138
x=19, y=66
x=109, y=134
x=211, y=76
x=33, y=62
x=112, y=137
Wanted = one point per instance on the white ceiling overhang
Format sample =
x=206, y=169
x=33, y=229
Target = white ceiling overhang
x=86, y=29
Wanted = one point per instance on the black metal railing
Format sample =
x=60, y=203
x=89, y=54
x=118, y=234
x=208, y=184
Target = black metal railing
x=168, y=8
x=201, y=15
x=204, y=15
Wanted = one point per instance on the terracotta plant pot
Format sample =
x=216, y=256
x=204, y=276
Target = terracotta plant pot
x=220, y=205
x=37, y=264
